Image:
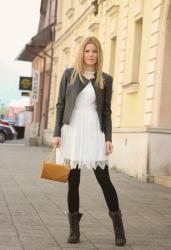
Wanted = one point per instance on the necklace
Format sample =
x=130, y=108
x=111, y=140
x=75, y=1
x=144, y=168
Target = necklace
x=89, y=72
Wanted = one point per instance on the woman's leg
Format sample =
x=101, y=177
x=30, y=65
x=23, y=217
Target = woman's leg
x=73, y=190
x=73, y=205
x=111, y=198
x=103, y=178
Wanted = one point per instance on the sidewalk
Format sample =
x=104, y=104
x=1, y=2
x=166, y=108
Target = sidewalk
x=33, y=211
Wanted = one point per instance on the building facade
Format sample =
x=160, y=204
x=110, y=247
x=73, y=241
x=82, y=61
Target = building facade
x=39, y=51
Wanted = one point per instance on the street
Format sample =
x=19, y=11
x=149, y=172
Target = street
x=33, y=211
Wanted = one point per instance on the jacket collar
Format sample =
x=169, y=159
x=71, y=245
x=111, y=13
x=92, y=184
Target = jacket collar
x=81, y=85
x=91, y=79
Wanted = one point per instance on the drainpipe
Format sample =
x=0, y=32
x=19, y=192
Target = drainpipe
x=52, y=58
x=50, y=6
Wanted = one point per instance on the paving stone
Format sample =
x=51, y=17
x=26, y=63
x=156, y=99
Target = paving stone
x=78, y=248
x=148, y=248
x=165, y=242
x=9, y=240
x=41, y=248
x=10, y=248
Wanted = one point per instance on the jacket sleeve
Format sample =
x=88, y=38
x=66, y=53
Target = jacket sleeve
x=106, y=114
x=60, y=104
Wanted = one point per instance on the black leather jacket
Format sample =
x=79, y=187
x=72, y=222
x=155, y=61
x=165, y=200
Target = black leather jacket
x=67, y=97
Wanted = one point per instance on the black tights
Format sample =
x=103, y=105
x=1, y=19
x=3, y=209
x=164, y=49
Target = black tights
x=103, y=178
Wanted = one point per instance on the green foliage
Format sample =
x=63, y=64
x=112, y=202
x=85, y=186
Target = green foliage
x=3, y=111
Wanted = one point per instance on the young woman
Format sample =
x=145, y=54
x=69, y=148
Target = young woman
x=84, y=132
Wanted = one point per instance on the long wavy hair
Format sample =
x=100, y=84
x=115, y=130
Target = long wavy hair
x=79, y=61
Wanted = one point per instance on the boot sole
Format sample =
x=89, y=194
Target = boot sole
x=120, y=244
x=73, y=242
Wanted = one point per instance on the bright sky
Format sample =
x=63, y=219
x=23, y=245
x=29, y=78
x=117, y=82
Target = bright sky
x=18, y=24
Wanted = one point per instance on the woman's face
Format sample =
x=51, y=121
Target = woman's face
x=90, y=54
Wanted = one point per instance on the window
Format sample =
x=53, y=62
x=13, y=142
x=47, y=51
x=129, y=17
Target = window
x=137, y=50
x=112, y=56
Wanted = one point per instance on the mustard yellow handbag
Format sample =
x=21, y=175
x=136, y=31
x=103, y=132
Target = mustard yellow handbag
x=54, y=171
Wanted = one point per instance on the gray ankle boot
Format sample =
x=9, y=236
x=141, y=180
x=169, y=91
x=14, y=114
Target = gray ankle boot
x=74, y=219
x=116, y=217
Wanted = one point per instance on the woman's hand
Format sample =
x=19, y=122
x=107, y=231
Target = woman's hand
x=109, y=147
x=56, y=141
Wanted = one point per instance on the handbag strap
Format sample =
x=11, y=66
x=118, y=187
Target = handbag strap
x=52, y=154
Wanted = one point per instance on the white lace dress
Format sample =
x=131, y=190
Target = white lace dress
x=82, y=141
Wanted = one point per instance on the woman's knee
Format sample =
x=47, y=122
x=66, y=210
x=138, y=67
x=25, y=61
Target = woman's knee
x=102, y=176
x=73, y=184
x=74, y=178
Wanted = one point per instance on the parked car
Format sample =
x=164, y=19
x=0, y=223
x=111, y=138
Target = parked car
x=3, y=122
x=7, y=132
x=7, y=122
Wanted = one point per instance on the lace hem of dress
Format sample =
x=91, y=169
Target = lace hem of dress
x=87, y=164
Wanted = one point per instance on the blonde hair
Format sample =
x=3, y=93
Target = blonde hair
x=79, y=61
